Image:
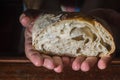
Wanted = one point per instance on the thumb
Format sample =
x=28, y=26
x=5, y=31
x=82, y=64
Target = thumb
x=28, y=17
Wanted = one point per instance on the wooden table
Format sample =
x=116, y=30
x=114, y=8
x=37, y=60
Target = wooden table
x=20, y=68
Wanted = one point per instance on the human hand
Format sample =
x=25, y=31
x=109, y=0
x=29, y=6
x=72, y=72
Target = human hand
x=55, y=63
x=86, y=63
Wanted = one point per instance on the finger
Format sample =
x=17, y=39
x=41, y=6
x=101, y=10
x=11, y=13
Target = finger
x=66, y=60
x=31, y=54
x=103, y=62
x=58, y=64
x=35, y=57
x=77, y=62
x=48, y=62
x=71, y=61
x=28, y=17
x=26, y=21
x=88, y=63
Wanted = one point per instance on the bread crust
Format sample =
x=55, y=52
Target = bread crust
x=47, y=21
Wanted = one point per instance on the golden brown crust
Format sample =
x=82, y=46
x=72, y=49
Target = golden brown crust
x=58, y=17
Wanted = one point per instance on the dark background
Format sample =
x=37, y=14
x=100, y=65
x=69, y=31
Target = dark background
x=10, y=28
x=11, y=31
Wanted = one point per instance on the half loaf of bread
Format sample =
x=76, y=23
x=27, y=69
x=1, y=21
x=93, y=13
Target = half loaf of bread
x=71, y=34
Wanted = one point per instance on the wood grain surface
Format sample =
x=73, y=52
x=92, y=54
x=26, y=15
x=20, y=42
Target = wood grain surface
x=23, y=69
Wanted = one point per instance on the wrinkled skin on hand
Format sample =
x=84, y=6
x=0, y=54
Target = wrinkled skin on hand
x=56, y=63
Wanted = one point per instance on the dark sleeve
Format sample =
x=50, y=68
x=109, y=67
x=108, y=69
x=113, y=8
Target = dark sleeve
x=50, y=5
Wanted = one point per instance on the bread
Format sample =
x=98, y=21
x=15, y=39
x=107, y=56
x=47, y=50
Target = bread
x=71, y=34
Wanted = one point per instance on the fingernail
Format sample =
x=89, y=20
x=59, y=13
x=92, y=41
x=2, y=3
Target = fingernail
x=22, y=16
x=58, y=69
x=85, y=67
x=48, y=64
x=76, y=68
x=37, y=63
x=103, y=66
